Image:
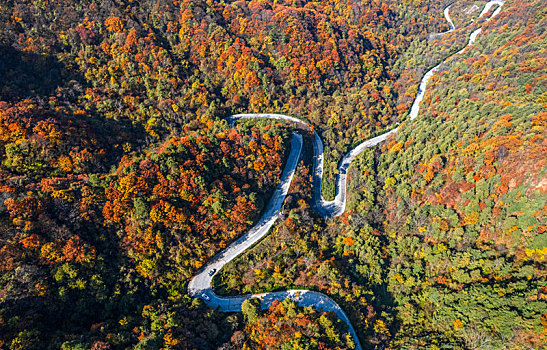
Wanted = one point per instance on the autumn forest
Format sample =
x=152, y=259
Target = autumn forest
x=121, y=178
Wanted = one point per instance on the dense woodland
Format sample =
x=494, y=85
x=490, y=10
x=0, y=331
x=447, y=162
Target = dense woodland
x=119, y=177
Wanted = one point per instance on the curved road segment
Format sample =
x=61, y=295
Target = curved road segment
x=448, y=19
x=201, y=284
x=423, y=84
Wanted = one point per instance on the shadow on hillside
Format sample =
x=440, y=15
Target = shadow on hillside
x=38, y=77
x=24, y=75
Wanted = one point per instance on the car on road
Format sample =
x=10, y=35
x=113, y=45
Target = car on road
x=212, y=272
x=205, y=297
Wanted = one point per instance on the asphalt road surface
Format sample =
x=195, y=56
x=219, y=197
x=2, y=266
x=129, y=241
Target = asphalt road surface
x=201, y=284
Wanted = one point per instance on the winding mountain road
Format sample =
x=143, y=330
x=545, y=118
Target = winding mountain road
x=200, y=285
x=448, y=19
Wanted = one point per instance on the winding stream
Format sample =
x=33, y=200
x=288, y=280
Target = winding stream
x=200, y=285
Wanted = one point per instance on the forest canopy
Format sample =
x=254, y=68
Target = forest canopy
x=120, y=177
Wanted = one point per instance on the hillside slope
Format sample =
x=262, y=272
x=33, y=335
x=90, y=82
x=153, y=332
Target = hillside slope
x=464, y=195
x=120, y=178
